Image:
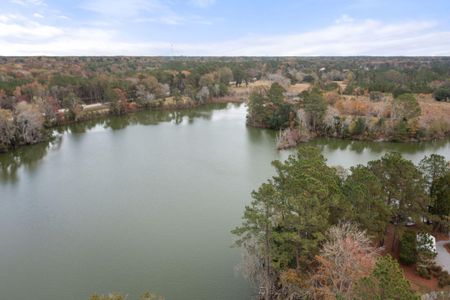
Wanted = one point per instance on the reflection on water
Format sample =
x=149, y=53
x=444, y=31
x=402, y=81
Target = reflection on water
x=378, y=147
x=28, y=157
x=338, y=152
x=187, y=116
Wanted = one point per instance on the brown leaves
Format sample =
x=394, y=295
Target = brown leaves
x=346, y=257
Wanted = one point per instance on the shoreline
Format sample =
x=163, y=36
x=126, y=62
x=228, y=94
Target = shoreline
x=105, y=113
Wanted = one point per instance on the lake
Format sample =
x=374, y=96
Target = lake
x=143, y=202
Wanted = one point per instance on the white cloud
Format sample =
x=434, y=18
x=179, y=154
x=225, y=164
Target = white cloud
x=344, y=19
x=139, y=11
x=38, y=15
x=123, y=9
x=19, y=28
x=19, y=36
x=28, y=2
x=203, y=3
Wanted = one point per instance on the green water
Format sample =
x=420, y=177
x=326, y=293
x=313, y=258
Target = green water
x=143, y=202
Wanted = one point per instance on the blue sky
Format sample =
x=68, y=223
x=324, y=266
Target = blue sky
x=224, y=27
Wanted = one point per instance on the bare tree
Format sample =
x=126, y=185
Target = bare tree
x=203, y=94
x=29, y=123
x=7, y=129
x=346, y=257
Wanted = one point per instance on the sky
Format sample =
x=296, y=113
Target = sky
x=225, y=27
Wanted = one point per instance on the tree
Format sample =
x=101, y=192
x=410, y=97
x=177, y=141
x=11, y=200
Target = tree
x=281, y=117
x=310, y=201
x=154, y=87
x=225, y=75
x=29, y=124
x=358, y=127
x=48, y=106
x=275, y=93
x=118, y=105
x=404, y=187
x=73, y=105
x=289, y=215
x=257, y=112
x=440, y=193
x=266, y=108
x=203, y=94
x=316, y=106
x=281, y=111
x=386, y=282
x=207, y=80
x=239, y=76
x=405, y=107
x=408, y=248
x=433, y=167
x=258, y=226
x=346, y=257
x=365, y=193
x=442, y=93
x=7, y=130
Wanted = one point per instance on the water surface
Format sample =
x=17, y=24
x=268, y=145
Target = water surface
x=143, y=202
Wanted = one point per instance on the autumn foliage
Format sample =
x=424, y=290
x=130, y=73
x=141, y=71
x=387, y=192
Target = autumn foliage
x=346, y=257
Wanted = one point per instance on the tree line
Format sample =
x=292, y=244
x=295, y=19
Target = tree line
x=59, y=87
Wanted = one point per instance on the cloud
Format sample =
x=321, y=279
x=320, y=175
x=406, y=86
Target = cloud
x=38, y=15
x=344, y=19
x=140, y=11
x=17, y=28
x=19, y=36
x=123, y=9
x=202, y=3
x=28, y=2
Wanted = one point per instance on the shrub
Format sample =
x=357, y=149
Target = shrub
x=444, y=279
x=408, y=251
x=359, y=127
x=423, y=272
x=435, y=270
x=309, y=79
x=442, y=94
x=400, y=91
x=330, y=86
x=376, y=96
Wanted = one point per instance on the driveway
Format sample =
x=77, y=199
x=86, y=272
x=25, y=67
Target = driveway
x=443, y=257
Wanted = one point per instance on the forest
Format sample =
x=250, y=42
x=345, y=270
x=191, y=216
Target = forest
x=375, y=98
x=318, y=232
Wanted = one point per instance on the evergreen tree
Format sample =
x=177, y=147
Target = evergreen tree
x=404, y=188
x=433, y=167
x=386, y=282
x=440, y=195
x=275, y=93
x=364, y=191
x=258, y=222
x=311, y=200
x=315, y=105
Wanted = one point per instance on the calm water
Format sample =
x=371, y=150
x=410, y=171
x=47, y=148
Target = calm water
x=143, y=202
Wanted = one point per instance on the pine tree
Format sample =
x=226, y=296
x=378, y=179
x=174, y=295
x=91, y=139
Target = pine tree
x=386, y=282
x=365, y=193
x=258, y=222
x=311, y=201
x=404, y=186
